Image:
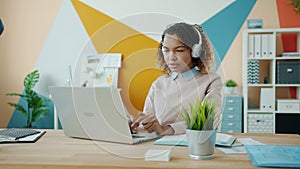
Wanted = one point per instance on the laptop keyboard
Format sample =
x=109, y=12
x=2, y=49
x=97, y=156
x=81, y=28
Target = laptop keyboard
x=18, y=133
x=137, y=136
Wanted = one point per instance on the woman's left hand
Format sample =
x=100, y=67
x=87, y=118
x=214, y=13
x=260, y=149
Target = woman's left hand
x=151, y=124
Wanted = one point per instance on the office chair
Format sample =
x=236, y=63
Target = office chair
x=1, y=27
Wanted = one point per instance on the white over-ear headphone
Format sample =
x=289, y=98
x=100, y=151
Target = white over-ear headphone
x=196, y=50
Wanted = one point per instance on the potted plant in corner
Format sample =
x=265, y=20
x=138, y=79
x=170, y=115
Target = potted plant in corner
x=35, y=108
x=230, y=86
x=296, y=4
x=201, y=135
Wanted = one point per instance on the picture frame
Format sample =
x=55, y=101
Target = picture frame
x=255, y=23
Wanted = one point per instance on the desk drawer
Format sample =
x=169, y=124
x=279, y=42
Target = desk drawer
x=233, y=100
x=232, y=116
x=231, y=129
x=231, y=123
x=232, y=109
x=231, y=126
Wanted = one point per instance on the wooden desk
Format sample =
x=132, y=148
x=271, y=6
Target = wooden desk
x=54, y=150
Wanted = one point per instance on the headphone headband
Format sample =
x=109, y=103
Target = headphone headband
x=196, y=50
x=199, y=34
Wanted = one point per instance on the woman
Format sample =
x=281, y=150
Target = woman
x=186, y=56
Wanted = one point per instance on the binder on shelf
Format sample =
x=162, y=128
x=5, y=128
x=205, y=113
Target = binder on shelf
x=266, y=99
x=251, y=46
x=271, y=45
x=257, y=46
x=264, y=45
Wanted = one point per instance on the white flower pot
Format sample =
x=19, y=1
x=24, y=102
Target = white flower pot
x=230, y=90
x=201, y=143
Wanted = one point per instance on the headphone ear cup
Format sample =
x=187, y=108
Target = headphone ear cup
x=196, y=51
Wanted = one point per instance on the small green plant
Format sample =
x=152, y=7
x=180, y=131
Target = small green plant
x=200, y=116
x=296, y=4
x=35, y=108
x=230, y=83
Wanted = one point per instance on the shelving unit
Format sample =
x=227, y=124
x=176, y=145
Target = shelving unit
x=260, y=64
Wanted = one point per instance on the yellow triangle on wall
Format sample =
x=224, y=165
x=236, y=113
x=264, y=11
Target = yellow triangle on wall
x=111, y=36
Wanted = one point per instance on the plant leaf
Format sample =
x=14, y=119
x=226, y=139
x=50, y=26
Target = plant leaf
x=35, y=108
x=15, y=94
x=200, y=115
x=20, y=108
x=31, y=79
x=39, y=113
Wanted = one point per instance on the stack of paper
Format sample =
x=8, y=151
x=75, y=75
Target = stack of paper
x=158, y=155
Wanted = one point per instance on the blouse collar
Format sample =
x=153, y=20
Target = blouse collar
x=187, y=75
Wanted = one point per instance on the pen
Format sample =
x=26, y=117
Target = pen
x=237, y=145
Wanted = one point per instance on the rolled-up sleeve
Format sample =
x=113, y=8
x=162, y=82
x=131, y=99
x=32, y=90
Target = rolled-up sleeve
x=215, y=93
x=178, y=127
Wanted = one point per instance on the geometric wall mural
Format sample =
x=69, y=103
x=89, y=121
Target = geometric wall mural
x=106, y=27
x=90, y=27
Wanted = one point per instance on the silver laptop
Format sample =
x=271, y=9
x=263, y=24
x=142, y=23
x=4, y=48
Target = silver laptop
x=96, y=113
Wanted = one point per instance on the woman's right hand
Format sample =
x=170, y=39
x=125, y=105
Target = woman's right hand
x=134, y=124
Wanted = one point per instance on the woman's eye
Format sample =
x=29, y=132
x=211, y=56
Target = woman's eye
x=179, y=50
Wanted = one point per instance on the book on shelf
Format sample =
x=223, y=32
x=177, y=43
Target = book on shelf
x=290, y=54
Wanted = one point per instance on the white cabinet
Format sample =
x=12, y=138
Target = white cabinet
x=269, y=75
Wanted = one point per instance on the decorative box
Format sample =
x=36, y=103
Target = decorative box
x=288, y=72
x=290, y=105
x=260, y=123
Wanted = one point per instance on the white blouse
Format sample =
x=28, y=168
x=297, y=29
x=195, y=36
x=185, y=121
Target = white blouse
x=168, y=94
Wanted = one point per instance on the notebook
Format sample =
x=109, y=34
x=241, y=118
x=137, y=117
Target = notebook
x=20, y=135
x=95, y=113
x=274, y=155
x=225, y=140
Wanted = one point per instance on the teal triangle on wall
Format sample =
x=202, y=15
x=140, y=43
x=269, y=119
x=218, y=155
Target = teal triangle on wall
x=223, y=27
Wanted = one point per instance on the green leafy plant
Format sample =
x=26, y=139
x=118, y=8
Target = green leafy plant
x=296, y=4
x=200, y=116
x=35, y=108
x=230, y=83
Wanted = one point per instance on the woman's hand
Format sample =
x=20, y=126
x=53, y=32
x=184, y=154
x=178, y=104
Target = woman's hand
x=130, y=122
x=134, y=124
x=151, y=124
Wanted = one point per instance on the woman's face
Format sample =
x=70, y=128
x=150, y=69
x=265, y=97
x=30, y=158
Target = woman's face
x=176, y=54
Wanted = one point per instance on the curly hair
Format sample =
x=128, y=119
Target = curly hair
x=189, y=36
